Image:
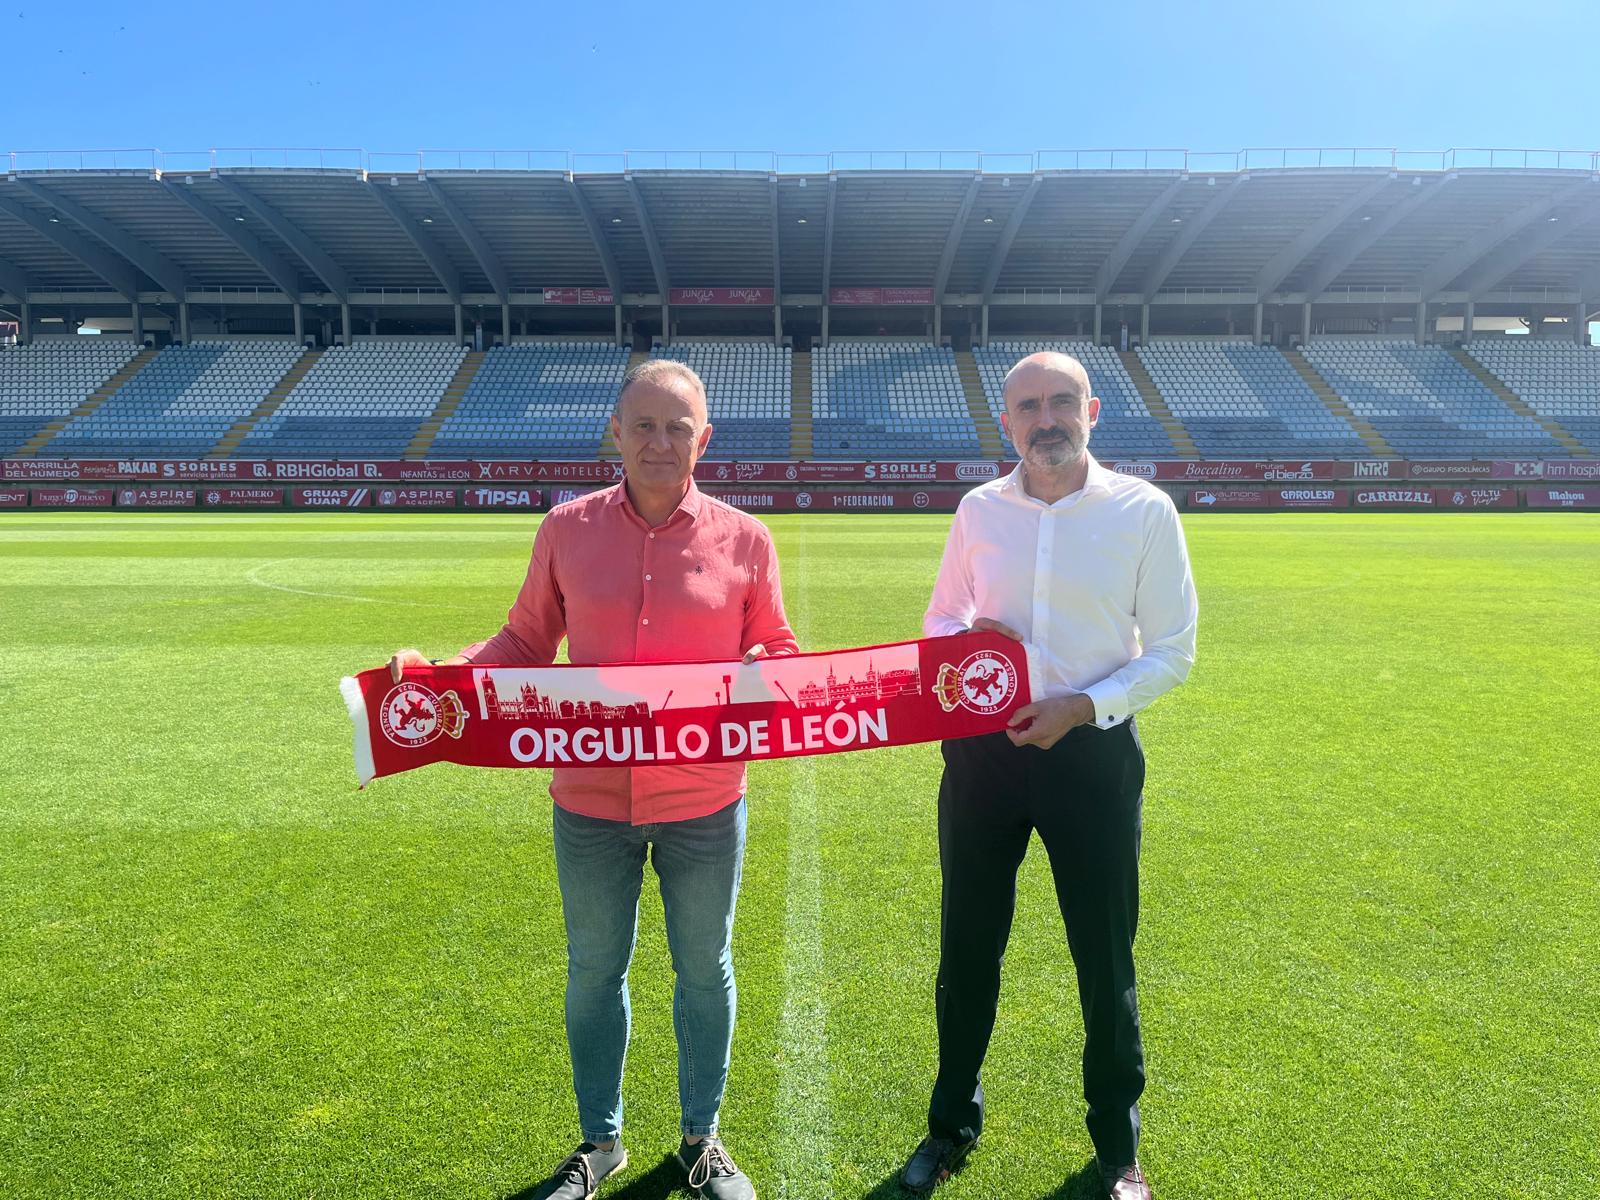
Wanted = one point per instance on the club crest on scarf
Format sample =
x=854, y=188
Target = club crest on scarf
x=984, y=682
x=414, y=715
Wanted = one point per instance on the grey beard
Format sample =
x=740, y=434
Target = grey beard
x=1052, y=456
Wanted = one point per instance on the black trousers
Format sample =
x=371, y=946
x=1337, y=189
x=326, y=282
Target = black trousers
x=1084, y=796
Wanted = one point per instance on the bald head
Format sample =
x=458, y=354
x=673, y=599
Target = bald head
x=1049, y=410
x=1046, y=373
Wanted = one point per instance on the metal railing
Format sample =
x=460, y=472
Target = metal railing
x=1173, y=159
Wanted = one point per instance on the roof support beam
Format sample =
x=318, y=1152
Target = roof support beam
x=14, y=280
x=123, y=279
x=827, y=239
x=1285, y=261
x=1129, y=242
x=438, y=262
x=777, y=263
x=1475, y=249
x=952, y=241
x=152, y=262
x=1008, y=234
x=493, y=269
x=1336, y=264
x=321, y=263
x=252, y=247
x=1511, y=257
x=1192, y=229
x=658, y=263
x=597, y=235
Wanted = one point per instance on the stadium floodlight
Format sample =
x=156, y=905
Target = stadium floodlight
x=799, y=220
x=616, y=220
x=427, y=220
x=988, y=219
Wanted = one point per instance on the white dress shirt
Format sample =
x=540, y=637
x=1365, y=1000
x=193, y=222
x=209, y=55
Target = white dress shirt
x=1097, y=584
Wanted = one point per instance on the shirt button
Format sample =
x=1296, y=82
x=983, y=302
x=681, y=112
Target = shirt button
x=652, y=537
x=646, y=621
x=647, y=579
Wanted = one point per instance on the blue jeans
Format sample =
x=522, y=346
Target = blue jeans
x=601, y=868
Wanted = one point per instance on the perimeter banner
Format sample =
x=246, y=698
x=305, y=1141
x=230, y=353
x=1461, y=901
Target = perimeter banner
x=692, y=713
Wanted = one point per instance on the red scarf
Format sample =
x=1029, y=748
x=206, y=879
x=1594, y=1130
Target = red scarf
x=639, y=714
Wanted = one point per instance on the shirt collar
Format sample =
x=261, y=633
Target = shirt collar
x=690, y=506
x=1097, y=479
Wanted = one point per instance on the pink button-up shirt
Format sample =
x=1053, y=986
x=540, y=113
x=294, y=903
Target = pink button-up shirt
x=702, y=586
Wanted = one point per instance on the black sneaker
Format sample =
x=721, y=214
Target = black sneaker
x=712, y=1175
x=580, y=1173
x=932, y=1162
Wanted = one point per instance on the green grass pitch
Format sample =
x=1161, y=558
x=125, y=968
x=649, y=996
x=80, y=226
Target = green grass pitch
x=1369, y=955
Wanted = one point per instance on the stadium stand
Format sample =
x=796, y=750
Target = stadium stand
x=1126, y=428
x=1557, y=380
x=361, y=401
x=889, y=398
x=181, y=403
x=747, y=384
x=44, y=382
x=1425, y=403
x=535, y=400
x=1239, y=400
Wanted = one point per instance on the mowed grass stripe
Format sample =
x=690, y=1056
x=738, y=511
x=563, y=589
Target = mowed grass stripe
x=1367, y=951
x=805, y=1135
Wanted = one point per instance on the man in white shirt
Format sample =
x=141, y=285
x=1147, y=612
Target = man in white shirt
x=1088, y=568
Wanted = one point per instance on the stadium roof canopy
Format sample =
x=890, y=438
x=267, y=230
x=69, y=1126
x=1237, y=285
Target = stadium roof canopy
x=1088, y=227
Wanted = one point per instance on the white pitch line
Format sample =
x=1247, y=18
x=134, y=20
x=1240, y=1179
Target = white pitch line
x=804, y=1156
x=253, y=576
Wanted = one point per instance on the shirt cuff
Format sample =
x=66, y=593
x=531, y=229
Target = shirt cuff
x=1110, y=701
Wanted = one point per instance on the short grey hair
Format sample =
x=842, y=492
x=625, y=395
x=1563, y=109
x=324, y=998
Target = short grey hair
x=658, y=370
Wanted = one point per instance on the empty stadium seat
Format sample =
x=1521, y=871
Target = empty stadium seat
x=1558, y=380
x=1239, y=400
x=45, y=381
x=1125, y=429
x=181, y=403
x=536, y=400
x=360, y=401
x=889, y=399
x=747, y=392
x=1425, y=403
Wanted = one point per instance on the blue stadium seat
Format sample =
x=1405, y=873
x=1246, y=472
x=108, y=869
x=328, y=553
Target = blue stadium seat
x=1425, y=403
x=1557, y=379
x=181, y=403
x=1239, y=400
x=536, y=400
x=889, y=399
x=362, y=401
x=43, y=382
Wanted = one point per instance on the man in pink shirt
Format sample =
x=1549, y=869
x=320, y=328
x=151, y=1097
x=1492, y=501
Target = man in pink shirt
x=651, y=570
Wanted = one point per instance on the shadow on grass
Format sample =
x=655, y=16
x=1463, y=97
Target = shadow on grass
x=660, y=1181
x=1082, y=1184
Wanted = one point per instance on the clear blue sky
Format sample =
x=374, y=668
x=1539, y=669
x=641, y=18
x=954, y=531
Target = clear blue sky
x=800, y=77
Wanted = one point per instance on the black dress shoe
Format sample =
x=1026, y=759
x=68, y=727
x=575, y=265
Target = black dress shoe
x=932, y=1162
x=1125, y=1183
